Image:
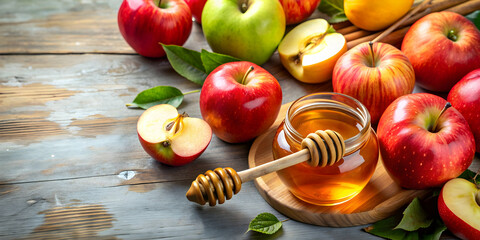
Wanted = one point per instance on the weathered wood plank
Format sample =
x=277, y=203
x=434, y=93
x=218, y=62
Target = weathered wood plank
x=60, y=27
x=52, y=210
x=70, y=110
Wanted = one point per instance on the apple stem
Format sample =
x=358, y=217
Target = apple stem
x=193, y=91
x=475, y=181
x=371, y=52
x=157, y=3
x=452, y=35
x=447, y=106
x=250, y=69
x=244, y=6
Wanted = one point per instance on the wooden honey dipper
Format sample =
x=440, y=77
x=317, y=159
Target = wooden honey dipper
x=321, y=148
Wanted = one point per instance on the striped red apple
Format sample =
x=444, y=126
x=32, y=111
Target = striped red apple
x=297, y=11
x=375, y=75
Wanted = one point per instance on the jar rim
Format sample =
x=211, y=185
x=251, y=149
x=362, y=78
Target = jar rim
x=361, y=112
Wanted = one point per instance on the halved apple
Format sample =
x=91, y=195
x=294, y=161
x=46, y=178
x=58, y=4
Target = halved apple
x=459, y=208
x=310, y=50
x=171, y=138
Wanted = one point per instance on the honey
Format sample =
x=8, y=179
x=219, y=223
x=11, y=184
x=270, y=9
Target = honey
x=330, y=185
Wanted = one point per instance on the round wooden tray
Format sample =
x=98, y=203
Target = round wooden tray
x=381, y=198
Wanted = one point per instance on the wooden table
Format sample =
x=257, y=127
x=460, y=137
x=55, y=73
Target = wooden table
x=72, y=164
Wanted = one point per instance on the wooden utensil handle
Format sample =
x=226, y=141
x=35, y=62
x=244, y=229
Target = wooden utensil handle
x=321, y=148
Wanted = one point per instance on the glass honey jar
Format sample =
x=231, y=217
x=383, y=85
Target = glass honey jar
x=336, y=184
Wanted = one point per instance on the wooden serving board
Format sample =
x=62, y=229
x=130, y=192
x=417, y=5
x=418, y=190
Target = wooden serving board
x=381, y=198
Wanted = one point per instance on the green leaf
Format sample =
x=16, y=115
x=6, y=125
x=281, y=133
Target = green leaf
x=337, y=18
x=212, y=60
x=475, y=18
x=435, y=230
x=334, y=9
x=331, y=7
x=158, y=95
x=394, y=227
x=186, y=62
x=265, y=223
x=384, y=228
x=414, y=217
x=469, y=175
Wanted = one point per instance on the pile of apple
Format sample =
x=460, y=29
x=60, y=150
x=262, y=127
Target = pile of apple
x=424, y=141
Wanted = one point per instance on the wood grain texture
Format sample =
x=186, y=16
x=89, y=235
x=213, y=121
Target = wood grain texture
x=381, y=198
x=67, y=142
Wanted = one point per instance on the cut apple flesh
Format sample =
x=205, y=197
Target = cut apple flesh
x=191, y=136
x=309, y=53
x=195, y=135
x=460, y=197
x=152, y=124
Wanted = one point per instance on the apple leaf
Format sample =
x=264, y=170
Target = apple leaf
x=265, y=223
x=475, y=18
x=158, y=95
x=385, y=228
x=337, y=18
x=470, y=175
x=212, y=60
x=423, y=223
x=186, y=62
x=334, y=9
x=436, y=230
x=414, y=217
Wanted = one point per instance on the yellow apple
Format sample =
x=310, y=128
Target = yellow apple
x=310, y=50
x=374, y=15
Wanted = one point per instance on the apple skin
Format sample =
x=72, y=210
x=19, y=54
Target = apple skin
x=415, y=157
x=375, y=87
x=165, y=155
x=144, y=25
x=196, y=6
x=251, y=36
x=183, y=146
x=439, y=62
x=465, y=97
x=236, y=112
x=460, y=188
x=297, y=11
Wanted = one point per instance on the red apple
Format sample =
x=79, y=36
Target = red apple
x=459, y=208
x=145, y=24
x=376, y=81
x=240, y=100
x=465, y=97
x=297, y=11
x=421, y=145
x=442, y=48
x=196, y=6
x=171, y=138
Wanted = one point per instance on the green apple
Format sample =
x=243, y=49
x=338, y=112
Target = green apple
x=247, y=29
